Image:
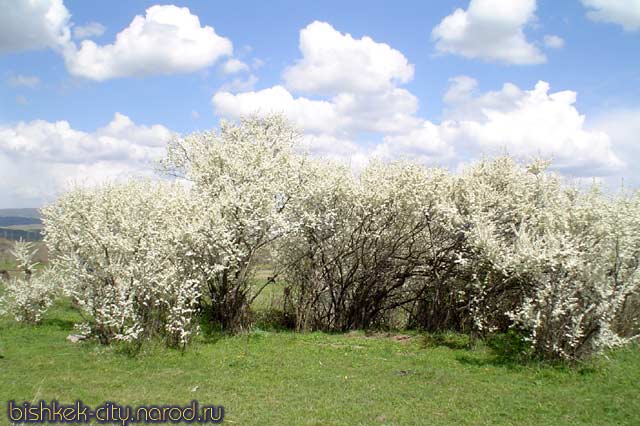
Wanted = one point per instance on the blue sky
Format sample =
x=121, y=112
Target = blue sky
x=440, y=82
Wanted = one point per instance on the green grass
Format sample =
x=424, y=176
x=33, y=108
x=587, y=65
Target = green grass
x=33, y=227
x=6, y=264
x=284, y=378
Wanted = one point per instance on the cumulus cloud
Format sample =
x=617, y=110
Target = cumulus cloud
x=333, y=62
x=553, y=41
x=39, y=159
x=340, y=114
x=345, y=114
x=357, y=78
x=623, y=127
x=314, y=116
x=30, y=25
x=427, y=143
x=491, y=30
x=622, y=12
x=167, y=40
x=329, y=146
x=29, y=81
x=533, y=123
x=388, y=111
x=463, y=104
x=239, y=84
x=460, y=88
x=523, y=123
x=92, y=29
x=233, y=65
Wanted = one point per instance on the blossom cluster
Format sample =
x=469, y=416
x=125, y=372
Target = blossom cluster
x=118, y=252
x=27, y=295
x=500, y=246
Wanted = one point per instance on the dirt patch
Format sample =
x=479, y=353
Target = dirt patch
x=402, y=338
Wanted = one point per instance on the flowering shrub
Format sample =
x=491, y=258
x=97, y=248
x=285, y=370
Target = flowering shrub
x=500, y=247
x=118, y=250
x=27, y=296
x=548, y=259
x=244, y=177
x=368, y=246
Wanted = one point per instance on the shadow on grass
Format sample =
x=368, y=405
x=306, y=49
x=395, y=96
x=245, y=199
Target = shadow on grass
x=451, y=340
x=585, y=368
x=272, y=319
x=59, y=323
x=503, y=350
x=510, y=350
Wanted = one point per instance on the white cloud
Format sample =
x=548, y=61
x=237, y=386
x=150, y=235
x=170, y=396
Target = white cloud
x=333, y=62
x=167, y=40
x=426, y=143
x=388, y=111
x=92, y=29
x=313, y=116
x=345, y=114
x=330, y=146
x=21, y=100
x=29, y=81
x=239, y=84
x=358, y=77
x=621, y=12
x=233, y=65
x=623, y=127
x=523, y=123
x=58, y=142
x=460, y=89
x=462, y=103
x=339, y=116
x=553, y=41
x=492, y=30
x=38, y=159
x=34, y=24
x=532, y=123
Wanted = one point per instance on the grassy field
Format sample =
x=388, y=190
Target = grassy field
x=33, y=227
x=7, y=262
x=284, y=378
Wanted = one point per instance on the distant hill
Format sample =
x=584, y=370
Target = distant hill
x=28, y=213
x=18, y=220
x=11, y=221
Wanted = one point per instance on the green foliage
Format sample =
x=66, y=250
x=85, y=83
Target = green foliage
x=511, y=346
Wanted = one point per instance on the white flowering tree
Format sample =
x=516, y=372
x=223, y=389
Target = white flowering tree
x=371, y=247
x=244, y=177
x=501, y=246
x=28, y=294
x=118, y=251
x=555, y=262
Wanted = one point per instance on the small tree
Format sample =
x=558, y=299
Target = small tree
x=370, y=246
x=244, y=177
x=548, y=259
x=119, y=249
x=28, y=295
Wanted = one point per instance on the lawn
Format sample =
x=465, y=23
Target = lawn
x=285, y=378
